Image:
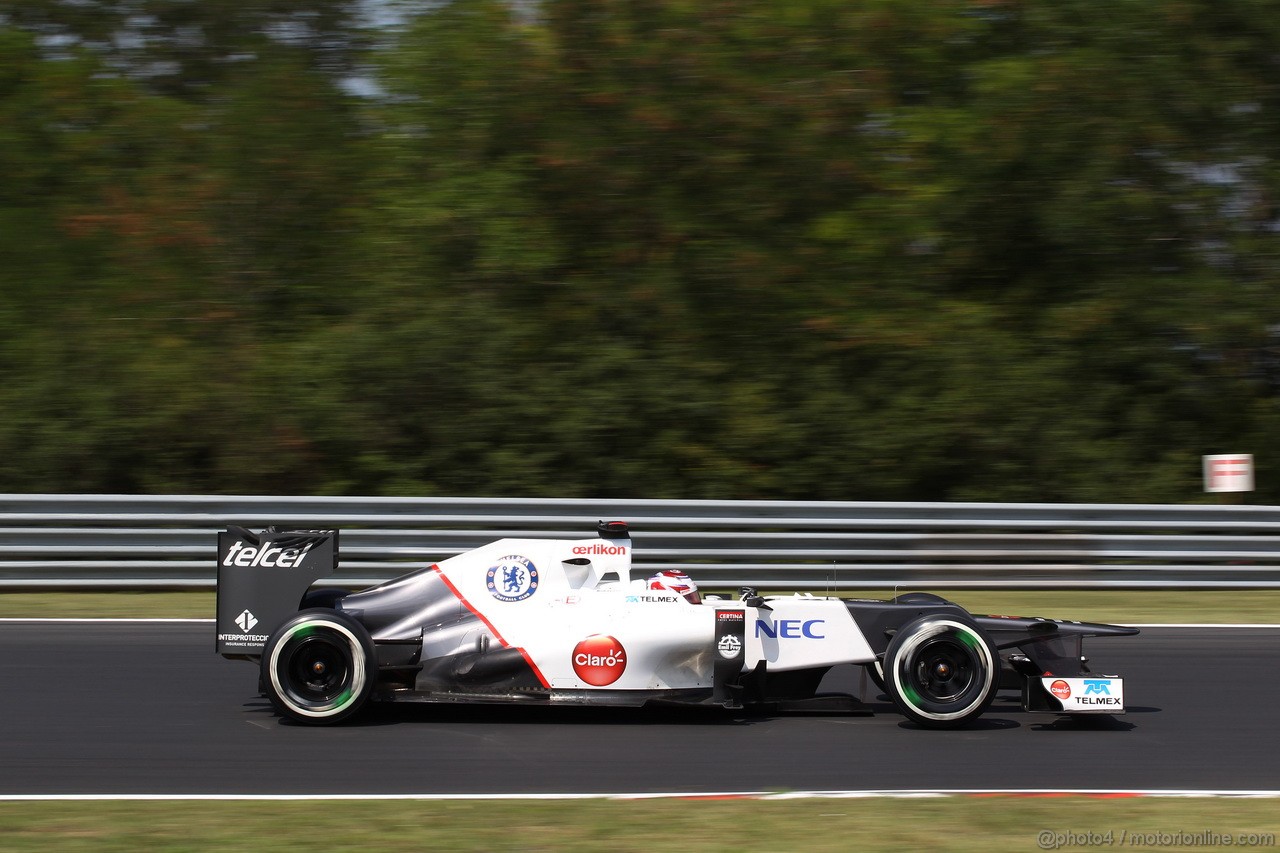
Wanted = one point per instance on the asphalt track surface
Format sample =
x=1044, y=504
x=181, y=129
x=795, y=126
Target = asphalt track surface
x=147, y=708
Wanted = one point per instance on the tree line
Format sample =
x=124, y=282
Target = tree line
x=892, y=250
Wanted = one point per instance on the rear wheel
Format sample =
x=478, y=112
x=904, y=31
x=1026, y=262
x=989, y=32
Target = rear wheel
x=319, y=667
x=942, y=670
x=326, y=597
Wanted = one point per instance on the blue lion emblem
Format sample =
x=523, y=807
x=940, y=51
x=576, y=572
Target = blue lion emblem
x=513, y=578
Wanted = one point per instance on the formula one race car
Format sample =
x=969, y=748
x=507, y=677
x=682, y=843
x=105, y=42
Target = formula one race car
x=558, y=621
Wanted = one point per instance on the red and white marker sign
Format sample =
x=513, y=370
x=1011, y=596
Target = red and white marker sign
x=1228, y=472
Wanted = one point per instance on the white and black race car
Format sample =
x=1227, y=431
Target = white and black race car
x=558, y=621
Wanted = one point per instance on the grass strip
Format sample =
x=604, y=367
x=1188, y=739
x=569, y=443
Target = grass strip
x=978, y=824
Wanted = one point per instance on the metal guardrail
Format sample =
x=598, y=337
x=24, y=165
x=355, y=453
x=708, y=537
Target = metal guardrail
x=166, y=542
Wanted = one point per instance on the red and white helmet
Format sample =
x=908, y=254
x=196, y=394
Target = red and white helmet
x=677, y=582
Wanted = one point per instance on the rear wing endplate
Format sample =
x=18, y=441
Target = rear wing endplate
x=262, y=578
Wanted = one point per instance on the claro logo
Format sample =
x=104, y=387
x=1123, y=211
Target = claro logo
x=600, y=548
x=791, y=629
x=283, y=558
x=599, y=660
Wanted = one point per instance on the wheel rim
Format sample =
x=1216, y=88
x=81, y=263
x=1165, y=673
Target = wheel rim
x=945, y=669
x=945, y=672
x=317, y=669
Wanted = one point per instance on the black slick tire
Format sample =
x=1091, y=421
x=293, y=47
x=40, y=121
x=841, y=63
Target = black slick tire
x=941, y=670
x=319, y=668
x=327, y=597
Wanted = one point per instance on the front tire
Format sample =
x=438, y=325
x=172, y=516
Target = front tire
x=941, y=671
x=319, y=667
x=875, y=671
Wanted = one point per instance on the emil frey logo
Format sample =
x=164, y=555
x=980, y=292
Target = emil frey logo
x=730, y=647
x=514, y=578
x=1060, y=689
x=1097, y=686
x=599, y=660
x=246, y=620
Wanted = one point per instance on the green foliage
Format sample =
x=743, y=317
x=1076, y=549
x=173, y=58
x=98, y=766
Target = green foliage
x=813, y=250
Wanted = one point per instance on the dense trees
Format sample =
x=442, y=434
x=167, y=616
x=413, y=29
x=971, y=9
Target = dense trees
x=888, y=250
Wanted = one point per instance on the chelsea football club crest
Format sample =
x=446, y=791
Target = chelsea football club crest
x=514, y=578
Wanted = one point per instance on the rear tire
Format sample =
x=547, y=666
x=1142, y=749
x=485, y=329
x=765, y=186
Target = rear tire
x=327, y=597
x=941, y=671
x=319, y=667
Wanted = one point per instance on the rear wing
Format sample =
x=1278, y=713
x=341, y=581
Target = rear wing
x=262, y=578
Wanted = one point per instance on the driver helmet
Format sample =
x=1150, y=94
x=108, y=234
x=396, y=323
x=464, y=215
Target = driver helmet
x=677, y=582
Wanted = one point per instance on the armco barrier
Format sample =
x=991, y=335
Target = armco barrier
x=168, y=541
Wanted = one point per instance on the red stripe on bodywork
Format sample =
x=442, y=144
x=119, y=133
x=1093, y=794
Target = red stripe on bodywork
x=476, y=613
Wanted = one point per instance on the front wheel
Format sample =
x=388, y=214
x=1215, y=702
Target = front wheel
x=319, y=667
x=941, y=670
x=875, y=671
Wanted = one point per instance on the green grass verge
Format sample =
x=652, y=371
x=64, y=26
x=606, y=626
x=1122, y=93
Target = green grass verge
x=1121, y=606
x=107, y=605
x=953, y=823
